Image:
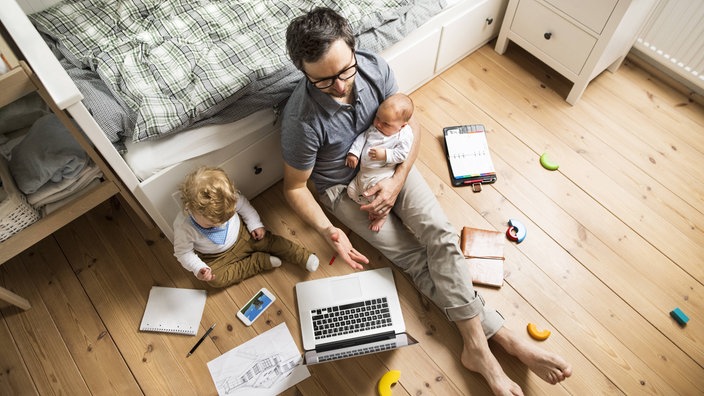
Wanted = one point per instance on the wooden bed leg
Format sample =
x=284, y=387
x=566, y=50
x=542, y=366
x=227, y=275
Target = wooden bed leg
x=136, y=207
x=14, y=299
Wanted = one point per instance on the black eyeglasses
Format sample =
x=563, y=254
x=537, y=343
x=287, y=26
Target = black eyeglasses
x=327, y=82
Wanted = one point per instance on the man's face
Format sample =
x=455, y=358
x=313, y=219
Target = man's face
x=339, y=64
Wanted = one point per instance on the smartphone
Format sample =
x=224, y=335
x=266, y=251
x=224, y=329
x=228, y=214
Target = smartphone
x=255, y=306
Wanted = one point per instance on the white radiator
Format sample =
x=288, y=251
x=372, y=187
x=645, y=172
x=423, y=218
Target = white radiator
x=673, y=37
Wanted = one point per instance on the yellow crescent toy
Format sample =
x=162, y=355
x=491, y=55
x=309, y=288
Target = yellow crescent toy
x=387, y=381
x=540, y=335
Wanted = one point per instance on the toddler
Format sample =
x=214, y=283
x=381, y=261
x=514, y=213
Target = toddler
x=221, y=239
x=380, y=148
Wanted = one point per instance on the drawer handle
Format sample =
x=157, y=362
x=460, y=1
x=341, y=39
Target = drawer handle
x=257, y=169
x=489, y=21
x=547, y=35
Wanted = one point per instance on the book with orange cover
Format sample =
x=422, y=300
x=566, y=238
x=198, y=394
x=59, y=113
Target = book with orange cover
x=484, y=251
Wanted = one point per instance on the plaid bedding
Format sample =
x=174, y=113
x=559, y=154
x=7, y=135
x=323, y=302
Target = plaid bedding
x=173, y=63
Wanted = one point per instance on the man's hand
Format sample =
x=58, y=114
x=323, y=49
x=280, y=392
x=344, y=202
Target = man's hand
x=351, y=161
x=345, y=251
x=377, y=154
x=258, y=233
x=205, y=274
x=386, y=193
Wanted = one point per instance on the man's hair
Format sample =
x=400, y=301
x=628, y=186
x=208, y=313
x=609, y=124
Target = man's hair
x=309, y=36
x=401, y=104
x=210, y=193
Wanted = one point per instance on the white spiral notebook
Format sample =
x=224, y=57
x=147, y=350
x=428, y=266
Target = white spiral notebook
x=173, y=310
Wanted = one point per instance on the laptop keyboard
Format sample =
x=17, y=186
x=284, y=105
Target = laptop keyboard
x=357, y=352
x=351, y=318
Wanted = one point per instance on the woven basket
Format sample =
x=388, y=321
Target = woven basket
x=15, y=212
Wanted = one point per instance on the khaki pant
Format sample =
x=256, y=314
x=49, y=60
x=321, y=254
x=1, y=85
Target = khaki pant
x=248, y=257
x=418, y=238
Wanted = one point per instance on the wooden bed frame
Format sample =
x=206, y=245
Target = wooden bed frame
x=254, y=160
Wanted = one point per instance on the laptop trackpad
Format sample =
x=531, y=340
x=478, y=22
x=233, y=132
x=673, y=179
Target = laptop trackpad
x=346, y=288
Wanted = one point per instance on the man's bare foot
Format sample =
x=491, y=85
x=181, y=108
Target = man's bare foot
x=377, y=223
x=549, y=366
x=482, y=361
x=476, y=356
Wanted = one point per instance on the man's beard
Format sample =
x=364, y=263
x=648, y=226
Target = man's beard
x=338, y=96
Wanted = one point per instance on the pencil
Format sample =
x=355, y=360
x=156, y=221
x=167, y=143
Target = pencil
x=201, y=340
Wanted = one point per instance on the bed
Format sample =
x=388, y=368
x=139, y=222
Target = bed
x=233, y=126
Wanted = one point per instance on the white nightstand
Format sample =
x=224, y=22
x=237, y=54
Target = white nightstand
x=579, y=39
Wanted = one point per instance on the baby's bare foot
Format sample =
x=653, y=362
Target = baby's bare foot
x=377, y=223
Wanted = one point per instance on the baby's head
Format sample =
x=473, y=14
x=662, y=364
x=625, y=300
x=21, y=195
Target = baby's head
x=209, y=196
x=393, y=114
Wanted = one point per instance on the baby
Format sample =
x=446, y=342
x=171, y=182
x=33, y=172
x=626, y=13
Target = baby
x=221, y=239
x=381, y=147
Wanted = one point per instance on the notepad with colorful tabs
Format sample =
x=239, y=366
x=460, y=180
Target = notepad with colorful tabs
x=468, y=155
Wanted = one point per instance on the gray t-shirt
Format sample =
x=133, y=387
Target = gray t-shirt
x=317, y=131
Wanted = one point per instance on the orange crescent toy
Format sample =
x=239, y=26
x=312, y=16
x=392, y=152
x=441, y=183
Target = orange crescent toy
x=540, y=335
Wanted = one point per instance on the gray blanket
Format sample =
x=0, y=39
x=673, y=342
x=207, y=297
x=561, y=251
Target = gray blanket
x=48, y=153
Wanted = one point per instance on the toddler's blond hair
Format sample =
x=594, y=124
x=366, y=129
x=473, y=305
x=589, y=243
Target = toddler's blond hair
x=209, y=192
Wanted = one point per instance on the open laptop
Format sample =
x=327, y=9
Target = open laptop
x=350, y=315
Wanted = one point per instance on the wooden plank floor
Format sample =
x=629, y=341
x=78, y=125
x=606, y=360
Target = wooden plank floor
x=615, y=242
